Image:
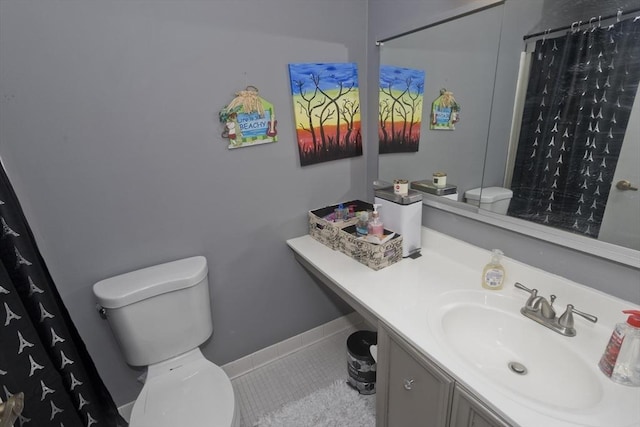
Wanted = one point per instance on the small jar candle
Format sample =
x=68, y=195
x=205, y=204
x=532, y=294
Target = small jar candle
x=401, y=186
x=440, y=179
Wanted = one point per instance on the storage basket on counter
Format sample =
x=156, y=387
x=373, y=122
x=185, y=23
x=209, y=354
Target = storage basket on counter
x=327, y=232
x=370, y=254
x=341, y=235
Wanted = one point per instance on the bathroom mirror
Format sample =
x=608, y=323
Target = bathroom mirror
x=477, y=144
x=464, y=66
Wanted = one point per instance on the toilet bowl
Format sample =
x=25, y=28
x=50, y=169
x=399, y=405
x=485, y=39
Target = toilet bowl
x=494, y=199
x=187, y=390
x=160, y=316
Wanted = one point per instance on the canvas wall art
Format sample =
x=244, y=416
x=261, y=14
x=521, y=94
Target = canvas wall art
x=326, y=106
x=400, y=109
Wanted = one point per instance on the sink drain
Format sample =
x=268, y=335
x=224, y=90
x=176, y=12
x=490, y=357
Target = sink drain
x=518, y=368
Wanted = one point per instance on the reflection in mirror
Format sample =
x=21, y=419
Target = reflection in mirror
x=448, y=58
x=618, y=232
x=579, y=98
x=577, y=134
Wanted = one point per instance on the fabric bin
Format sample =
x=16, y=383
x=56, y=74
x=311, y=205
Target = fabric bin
x=370, y=254
x=327, y=232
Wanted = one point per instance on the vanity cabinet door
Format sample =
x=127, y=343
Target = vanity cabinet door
x=412, y=391
x=468, y=411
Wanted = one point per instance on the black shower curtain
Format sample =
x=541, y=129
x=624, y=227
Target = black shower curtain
x=41, y=353
x=579, y=98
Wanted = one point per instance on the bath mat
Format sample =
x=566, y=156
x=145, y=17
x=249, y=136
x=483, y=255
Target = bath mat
x=335, y=406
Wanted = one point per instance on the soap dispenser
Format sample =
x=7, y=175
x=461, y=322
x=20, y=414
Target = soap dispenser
x=493, y=273
x=375, y=227
x=621, y=358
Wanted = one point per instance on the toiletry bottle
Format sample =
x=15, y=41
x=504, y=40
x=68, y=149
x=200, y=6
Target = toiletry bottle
x=621, y=358
x=493, y=274
x=376, y=228
x=351, y=211
x=363, y=223
x=339, y=212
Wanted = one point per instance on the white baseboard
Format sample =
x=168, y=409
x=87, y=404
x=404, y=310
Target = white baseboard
x=276, y=351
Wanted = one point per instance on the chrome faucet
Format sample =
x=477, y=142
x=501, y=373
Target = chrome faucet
x=538, y=304
x=539, y=309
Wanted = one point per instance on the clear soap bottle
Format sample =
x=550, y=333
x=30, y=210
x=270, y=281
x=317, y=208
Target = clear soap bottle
x=621, y=358
x=493, y=273
x=375, y=226
x=362, y=225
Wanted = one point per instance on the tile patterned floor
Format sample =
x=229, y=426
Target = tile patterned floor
x=291, y=378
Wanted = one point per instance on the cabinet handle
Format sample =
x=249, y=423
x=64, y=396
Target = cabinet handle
x=408, y=384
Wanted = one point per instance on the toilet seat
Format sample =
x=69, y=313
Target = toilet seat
x=188, y=390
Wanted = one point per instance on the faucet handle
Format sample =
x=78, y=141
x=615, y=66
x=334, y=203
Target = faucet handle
x=523, y=287
x=566, y=320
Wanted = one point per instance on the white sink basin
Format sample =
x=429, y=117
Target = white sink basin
x=487, y=331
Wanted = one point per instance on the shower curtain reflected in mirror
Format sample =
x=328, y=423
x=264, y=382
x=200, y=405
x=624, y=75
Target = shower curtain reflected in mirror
x=579, y=97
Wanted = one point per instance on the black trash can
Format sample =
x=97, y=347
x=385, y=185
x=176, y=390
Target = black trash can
x=360, y=364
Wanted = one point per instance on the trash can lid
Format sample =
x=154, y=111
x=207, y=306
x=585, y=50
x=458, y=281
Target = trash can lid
x=359, y=342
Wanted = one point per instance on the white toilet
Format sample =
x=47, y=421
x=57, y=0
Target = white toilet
x=493, y=199
x=160, y=316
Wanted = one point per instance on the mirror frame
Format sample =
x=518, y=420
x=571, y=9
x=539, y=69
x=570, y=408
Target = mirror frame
x=609, y=251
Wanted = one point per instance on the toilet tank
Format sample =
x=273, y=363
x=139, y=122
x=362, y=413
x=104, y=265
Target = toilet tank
x=158, y=312
x=494, y=199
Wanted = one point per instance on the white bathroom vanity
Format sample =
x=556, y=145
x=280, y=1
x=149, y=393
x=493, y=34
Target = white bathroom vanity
x=452, y=354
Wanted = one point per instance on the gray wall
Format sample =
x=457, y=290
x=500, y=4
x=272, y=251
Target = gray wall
x=110, y=135
x=593, y=271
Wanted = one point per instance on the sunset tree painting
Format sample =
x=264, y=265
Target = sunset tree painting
x=326, y=108
x=400, y=109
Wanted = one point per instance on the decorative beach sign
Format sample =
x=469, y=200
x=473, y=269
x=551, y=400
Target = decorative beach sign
x=445, y=111
x=326, y=106
x=400, y=109
x=249, y=120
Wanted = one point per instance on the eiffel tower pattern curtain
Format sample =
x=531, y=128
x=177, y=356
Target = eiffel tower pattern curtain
x=579, y=98
x=41, y=353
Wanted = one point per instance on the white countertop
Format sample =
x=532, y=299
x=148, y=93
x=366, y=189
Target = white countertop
x=402, y=295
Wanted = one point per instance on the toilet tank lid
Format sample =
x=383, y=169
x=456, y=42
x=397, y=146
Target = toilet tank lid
x=138, y=285
x=489, y=194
